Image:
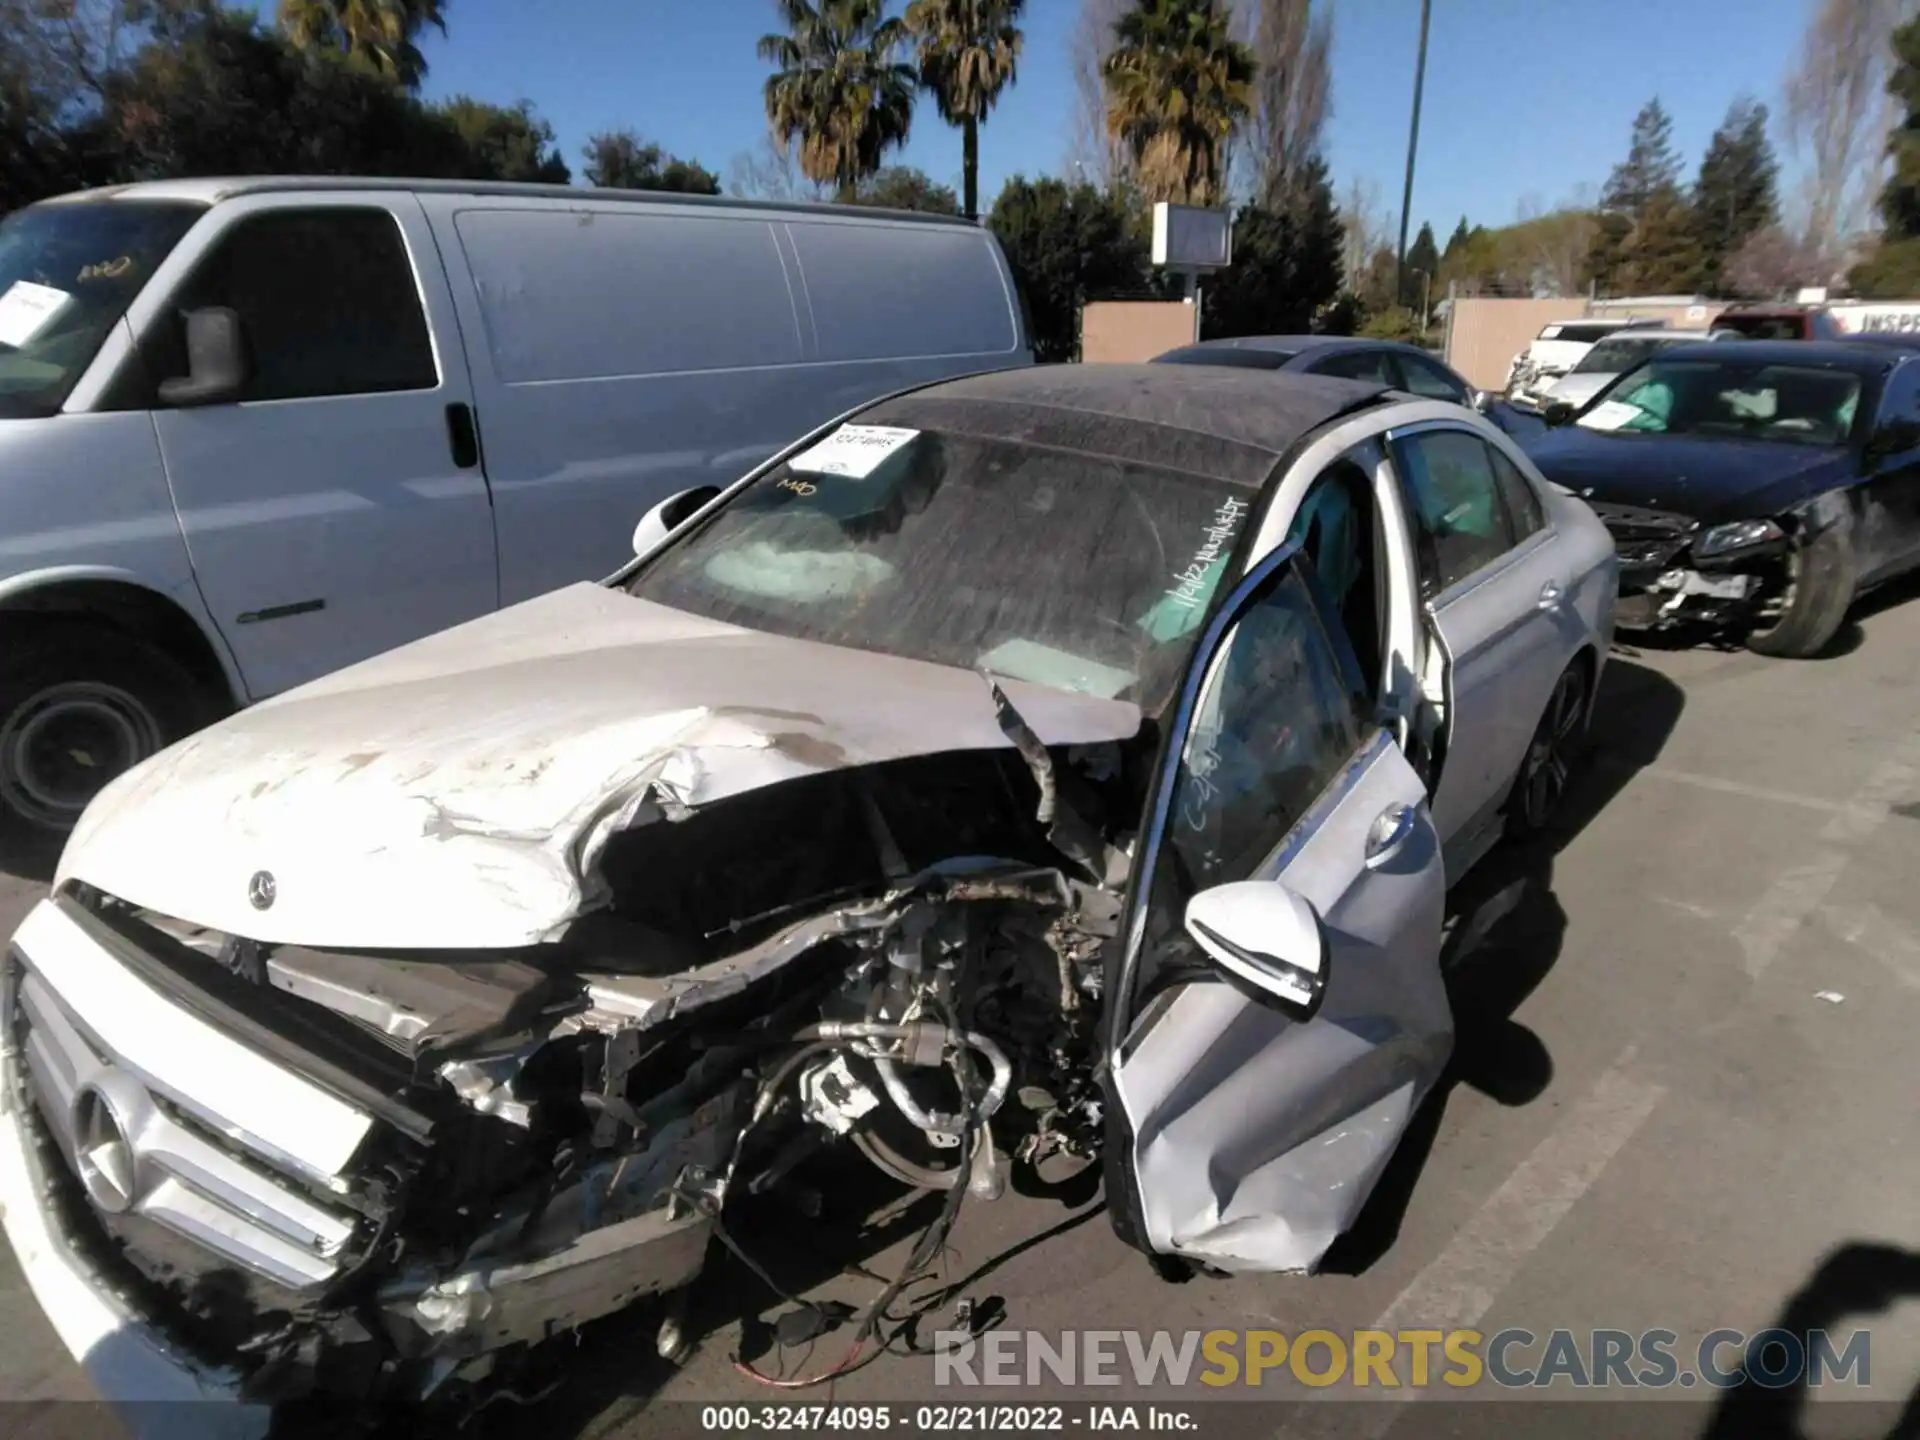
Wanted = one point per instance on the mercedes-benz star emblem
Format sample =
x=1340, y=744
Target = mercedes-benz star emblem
x=103, y=1152
x=261, y=890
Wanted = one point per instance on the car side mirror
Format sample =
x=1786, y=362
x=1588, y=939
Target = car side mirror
x=1896, y=437
x=1481, y=400
x=1268, y=939
x=669, y=515
x=218, y=366
x=1557, y=414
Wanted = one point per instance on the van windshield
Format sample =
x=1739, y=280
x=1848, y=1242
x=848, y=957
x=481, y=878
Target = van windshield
x=1070, y=570
x=67, y=274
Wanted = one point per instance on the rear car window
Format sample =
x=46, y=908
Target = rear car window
x=1457, y=504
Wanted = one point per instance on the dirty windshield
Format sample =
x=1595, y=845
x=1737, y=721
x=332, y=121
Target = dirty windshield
x=1731, y=399
x=1074, y=571
x=67, y=274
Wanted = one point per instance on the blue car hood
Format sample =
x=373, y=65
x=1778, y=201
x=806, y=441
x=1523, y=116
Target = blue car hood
x=1710, y=480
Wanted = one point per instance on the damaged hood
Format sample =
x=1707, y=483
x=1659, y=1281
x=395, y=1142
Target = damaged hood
x=1709, y=480
x=457, y=792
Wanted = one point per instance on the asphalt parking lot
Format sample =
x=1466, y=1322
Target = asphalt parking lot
x=1683, y=1097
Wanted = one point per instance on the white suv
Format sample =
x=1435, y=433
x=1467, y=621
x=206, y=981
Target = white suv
x=1555, y=351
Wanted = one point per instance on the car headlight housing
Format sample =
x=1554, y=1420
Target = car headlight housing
x=1735, y=535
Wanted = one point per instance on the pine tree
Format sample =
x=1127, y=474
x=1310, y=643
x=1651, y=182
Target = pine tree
x=1423, y=258
x=1461, y=235
x=1734, y=194
x=1893, y=268
x=1650, y=167
x=1643, y=229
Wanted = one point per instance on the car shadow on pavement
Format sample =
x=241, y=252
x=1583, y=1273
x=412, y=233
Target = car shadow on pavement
x=605, y=1380
x=1855, y=1282
x=1505, y=929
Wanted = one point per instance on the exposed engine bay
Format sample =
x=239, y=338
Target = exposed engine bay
x=900, y=964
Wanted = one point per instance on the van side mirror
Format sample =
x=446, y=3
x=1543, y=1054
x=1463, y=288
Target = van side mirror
x=218, y=366
x=1557, y=414
x=669, y=515
x=1268, y=939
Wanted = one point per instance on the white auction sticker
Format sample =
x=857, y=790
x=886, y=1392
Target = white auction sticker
x=1610, y=415
x=855, y=451
x=27, y=309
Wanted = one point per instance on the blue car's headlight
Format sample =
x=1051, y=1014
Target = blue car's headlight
x=1736, y=535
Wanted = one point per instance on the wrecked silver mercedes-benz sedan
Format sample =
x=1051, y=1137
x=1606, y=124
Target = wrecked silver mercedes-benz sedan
x=1059, y=762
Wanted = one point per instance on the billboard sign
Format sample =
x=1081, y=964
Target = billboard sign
x=1191, y=237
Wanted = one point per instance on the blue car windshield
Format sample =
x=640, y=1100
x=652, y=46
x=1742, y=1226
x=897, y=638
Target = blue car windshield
x=1747, y=400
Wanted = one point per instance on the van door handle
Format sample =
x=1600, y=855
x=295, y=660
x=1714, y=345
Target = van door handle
x=462, y=439
x=1551, y=595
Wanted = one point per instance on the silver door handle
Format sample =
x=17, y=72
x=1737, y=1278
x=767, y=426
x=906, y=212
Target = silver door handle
x=1388, y=833
x=1551, y=595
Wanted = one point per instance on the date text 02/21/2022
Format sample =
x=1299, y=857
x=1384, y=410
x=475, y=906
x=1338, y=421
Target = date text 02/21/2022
x=942, y=1419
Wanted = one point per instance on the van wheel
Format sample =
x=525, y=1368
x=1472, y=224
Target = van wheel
x=79, y=704
x=1819, y=590
x=1551, y=755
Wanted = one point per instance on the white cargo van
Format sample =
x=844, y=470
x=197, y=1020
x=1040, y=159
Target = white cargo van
x=253, y=430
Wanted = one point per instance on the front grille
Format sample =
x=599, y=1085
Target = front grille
x=139, y=1149
x=1645, y=539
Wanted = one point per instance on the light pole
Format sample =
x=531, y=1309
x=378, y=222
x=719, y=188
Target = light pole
x=1413, y=146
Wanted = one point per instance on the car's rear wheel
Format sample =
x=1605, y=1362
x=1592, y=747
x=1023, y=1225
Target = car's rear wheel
x=1551, y=755
x=1820, y=582
x=80, y=704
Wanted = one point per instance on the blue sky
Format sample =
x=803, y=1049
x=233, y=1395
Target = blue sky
x=1525, y=99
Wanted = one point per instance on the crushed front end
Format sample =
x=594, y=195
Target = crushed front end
x=1675, y=571
x=387, y=1176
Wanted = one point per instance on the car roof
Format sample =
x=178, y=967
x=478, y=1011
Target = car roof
x=1232, y=424
x=214, y=189
x=1831, y=354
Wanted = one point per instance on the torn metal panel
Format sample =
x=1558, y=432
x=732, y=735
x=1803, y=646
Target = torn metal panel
x=411, y=1002
x=488, y=767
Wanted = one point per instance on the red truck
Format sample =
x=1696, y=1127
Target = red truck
x=1780, y=322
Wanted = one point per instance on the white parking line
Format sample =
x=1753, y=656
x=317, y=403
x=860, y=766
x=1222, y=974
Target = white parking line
x=1460, y=1284
x=1747, y=791
x=1796, y=893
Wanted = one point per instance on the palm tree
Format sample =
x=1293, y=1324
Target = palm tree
x=968, y=53
x=376, y=33
x=837, y=88
x=1177, y=84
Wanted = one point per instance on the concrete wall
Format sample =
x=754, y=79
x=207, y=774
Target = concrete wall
x=1122, y=331
x=1484, y=333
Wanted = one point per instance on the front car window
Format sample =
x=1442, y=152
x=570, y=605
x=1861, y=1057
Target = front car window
x=67, y=274
x=1283, y=709
x=1763, y=327
x=1791, y=404
x=327, y=300
x=1077, y=571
